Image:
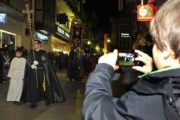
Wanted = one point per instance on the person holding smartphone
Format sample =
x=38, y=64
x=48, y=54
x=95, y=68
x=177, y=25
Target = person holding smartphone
x=156, y=96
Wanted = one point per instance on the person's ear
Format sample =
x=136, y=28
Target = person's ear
x=167, y=52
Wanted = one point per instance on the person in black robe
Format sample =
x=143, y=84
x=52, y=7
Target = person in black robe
x=71, y=70
x=1, y=64
x=41, y=80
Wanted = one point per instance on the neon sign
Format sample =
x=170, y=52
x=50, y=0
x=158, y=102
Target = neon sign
x=125, y=35
x=41, y=37
x=2, y=18
x=63, y=32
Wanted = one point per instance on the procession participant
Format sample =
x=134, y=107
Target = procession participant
x=42, y=81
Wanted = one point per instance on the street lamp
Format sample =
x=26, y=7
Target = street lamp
x=108, y=40
x=97, y=48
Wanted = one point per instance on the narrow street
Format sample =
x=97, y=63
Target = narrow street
x=69, y=110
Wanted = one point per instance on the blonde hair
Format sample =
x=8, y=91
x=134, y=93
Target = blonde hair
x=165, y=26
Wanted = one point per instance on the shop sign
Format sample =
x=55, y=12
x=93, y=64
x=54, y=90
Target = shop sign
x=2, y=18
x=145, y=12
x=125, y=35
x=63, y=32
x=41, y=37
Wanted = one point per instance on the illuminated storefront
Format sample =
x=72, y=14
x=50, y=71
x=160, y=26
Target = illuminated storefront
x=12, y=32
x=59, y=45
x=6, y=38
x=60, y=41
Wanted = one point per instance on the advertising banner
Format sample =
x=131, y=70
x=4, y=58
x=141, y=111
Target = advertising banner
x=145, y=12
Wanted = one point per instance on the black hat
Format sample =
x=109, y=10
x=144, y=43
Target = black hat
x=149, y=38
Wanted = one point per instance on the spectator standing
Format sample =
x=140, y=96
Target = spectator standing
x=156, y=96
x=1, y=65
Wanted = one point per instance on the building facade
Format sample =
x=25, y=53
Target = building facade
x=52, y=21
x=12, y=29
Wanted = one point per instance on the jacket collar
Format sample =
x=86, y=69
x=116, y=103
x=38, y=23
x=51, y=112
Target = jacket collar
x=162, y=73
x=157, y=82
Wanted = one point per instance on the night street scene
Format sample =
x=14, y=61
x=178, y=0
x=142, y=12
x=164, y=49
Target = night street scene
x=89, y=59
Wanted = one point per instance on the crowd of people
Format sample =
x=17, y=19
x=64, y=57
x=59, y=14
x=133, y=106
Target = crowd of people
x=80, y=64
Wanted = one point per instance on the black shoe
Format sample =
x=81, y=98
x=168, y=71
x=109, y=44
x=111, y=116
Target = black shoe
x=33, y=106
x=18, y=103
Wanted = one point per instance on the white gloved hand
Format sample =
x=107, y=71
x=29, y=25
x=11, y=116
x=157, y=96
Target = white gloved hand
x=35, y=62
x=110, y=59
x=33, y=66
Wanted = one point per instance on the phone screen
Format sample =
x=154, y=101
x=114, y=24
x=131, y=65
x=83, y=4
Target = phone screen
x=126, y=58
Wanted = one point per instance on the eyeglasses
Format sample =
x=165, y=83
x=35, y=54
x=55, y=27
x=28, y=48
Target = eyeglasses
x=35, y=43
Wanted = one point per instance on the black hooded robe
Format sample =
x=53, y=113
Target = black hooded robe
x=41, y=83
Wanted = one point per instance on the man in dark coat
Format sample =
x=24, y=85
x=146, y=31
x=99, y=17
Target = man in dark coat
x=41, y=81
x=1, y=65
x=149, y=45
x=71, y=70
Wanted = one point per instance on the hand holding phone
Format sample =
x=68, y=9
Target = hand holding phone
x=110, y=59
x=146, y=59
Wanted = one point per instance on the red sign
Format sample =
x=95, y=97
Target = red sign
x=145, y=12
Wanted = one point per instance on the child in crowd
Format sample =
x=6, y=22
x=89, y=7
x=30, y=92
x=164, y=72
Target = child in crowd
x=156, y=96
x=16, y=74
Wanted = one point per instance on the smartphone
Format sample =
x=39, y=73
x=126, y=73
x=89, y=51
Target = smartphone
x=127, y=59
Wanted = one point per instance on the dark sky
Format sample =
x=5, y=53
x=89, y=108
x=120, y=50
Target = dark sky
x=103, y=9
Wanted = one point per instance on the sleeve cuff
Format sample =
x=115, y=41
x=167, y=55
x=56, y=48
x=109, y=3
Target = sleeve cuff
x=106, y=68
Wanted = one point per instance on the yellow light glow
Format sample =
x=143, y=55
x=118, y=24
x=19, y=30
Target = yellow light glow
x=59, y=50
x=97, y=47
x=89, y=42
x=108, y=40
x=105, y=51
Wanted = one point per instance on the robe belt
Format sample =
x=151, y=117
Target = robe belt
x=39, y=67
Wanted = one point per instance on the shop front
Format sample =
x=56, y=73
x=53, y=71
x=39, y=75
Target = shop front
x=60, y=41
x=59, y=45
x=12, y=32
x=7, y=39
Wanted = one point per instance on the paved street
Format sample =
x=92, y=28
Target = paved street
x=69, y=110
